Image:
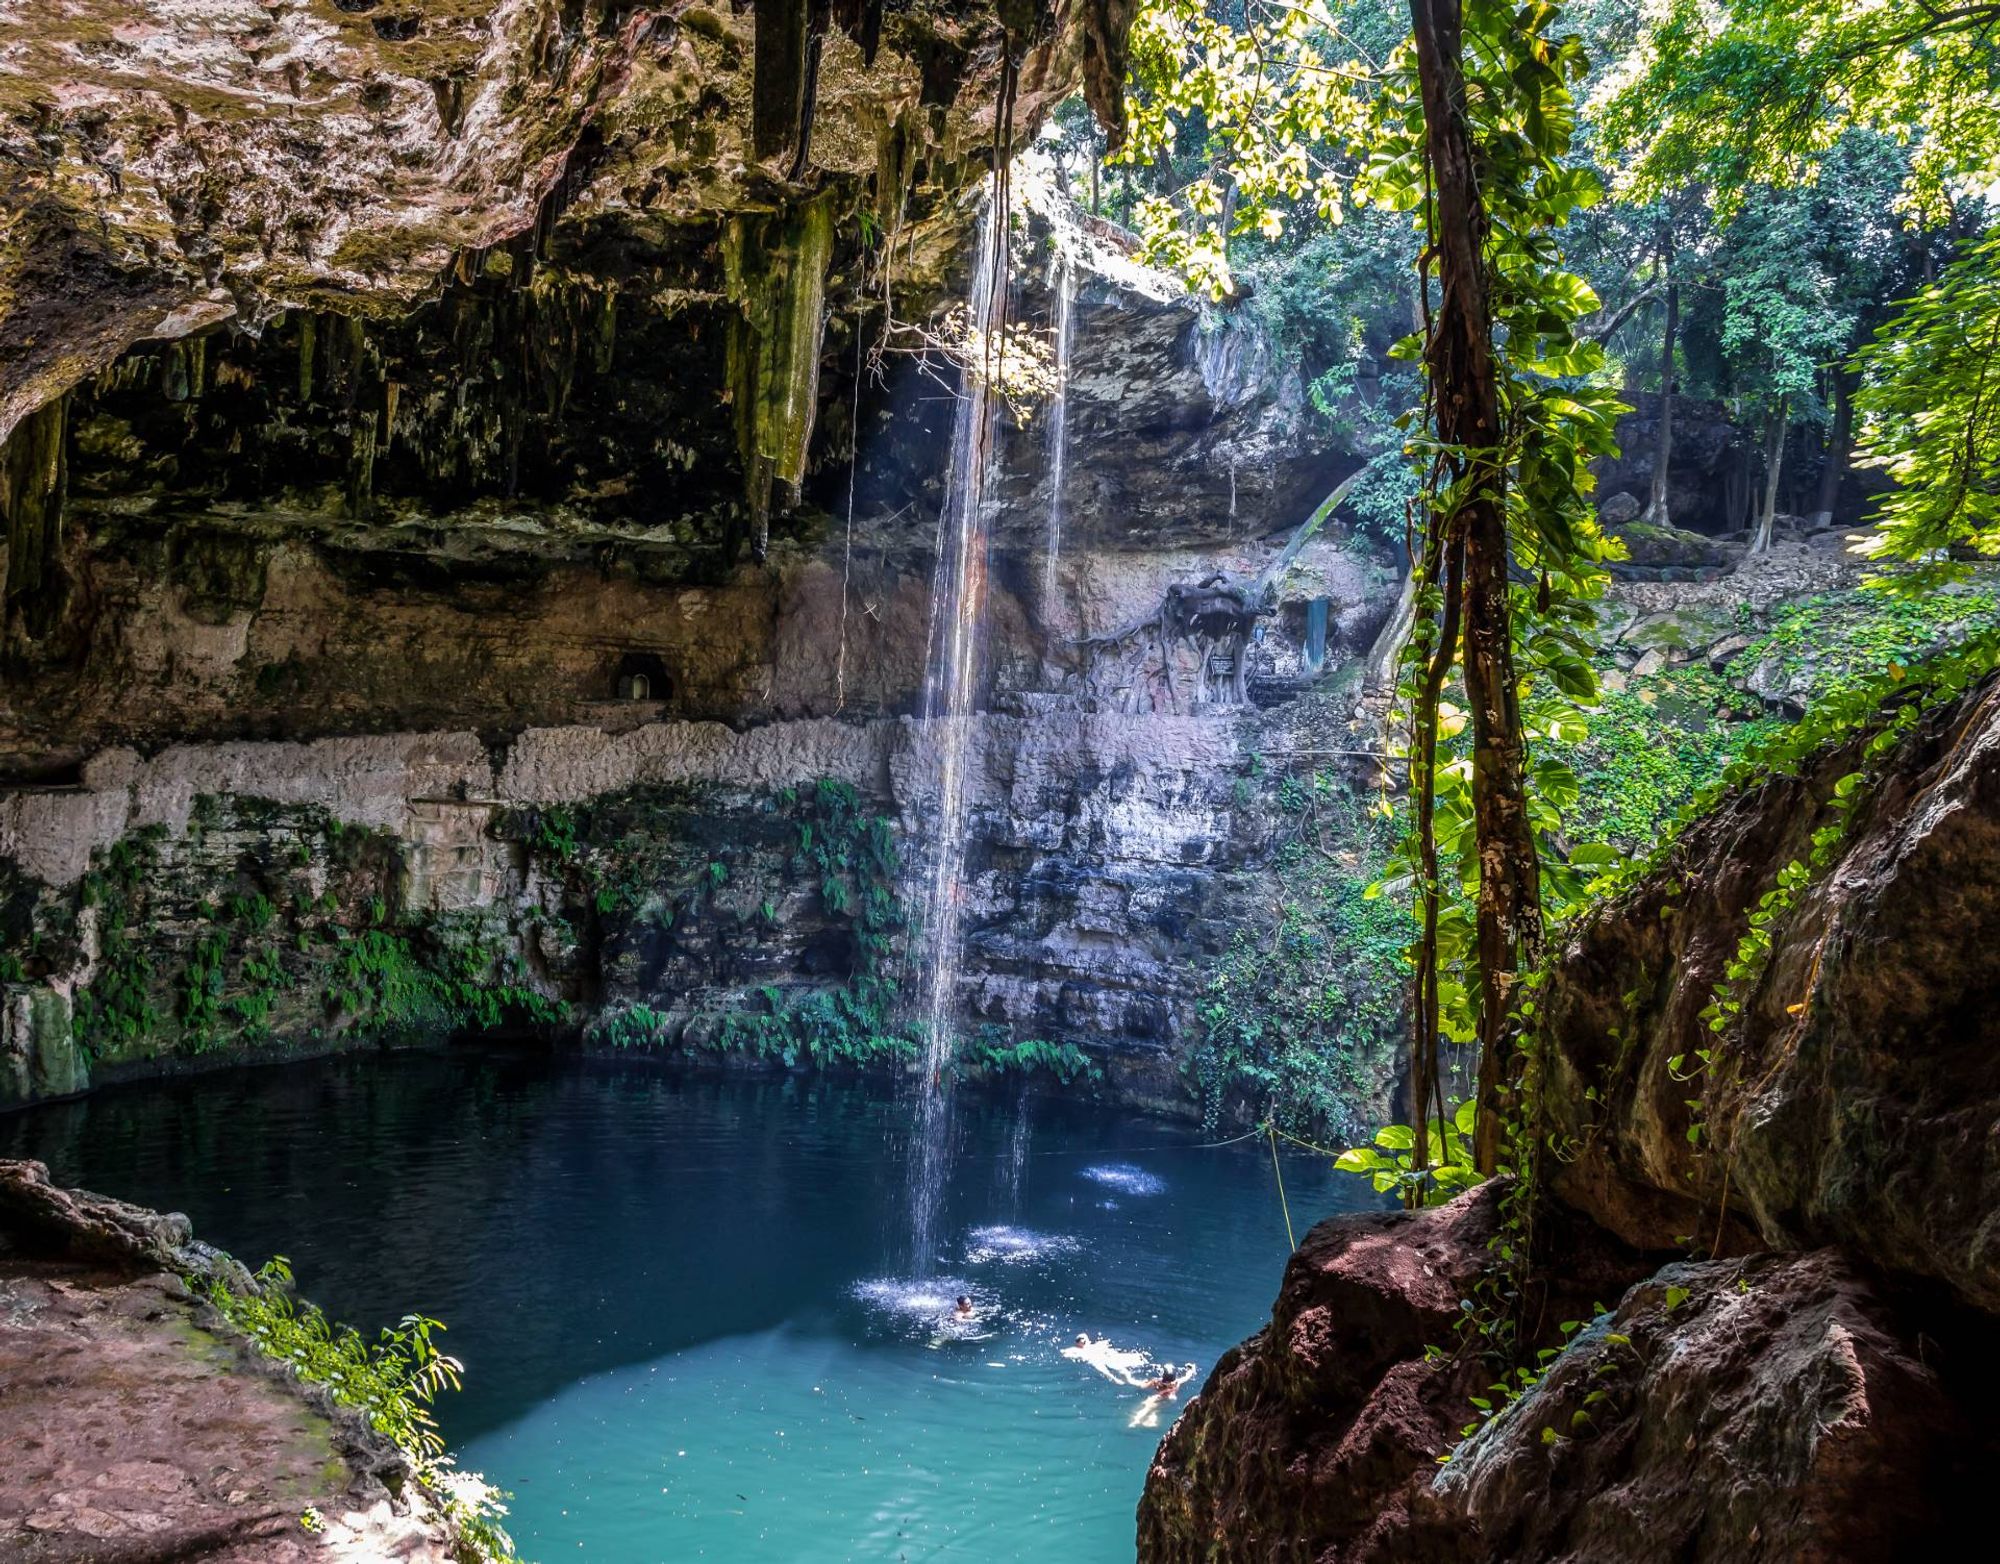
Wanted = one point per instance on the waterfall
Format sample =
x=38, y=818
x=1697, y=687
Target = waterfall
x=1065, y=283
x=958, y=604
x=1018, y=1140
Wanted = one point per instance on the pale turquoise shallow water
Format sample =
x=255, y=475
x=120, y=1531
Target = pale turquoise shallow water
x=683, y=1306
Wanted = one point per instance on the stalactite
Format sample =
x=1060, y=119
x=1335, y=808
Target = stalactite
x=174, y=373
x=819, y=20
x=306, y=336
x=33, y=479
x=604, y=340
x=776, y=269
x=861, y=20
x=361, y=467
x=778, y=80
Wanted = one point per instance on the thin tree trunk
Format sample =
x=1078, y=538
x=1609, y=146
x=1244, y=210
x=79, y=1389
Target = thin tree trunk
x=1443, y=561
x=1839, y=443
x=1774, y=461
x=1663, y=443
x=1465, y=388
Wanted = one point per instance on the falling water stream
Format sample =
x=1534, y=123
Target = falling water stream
x=1065, y=283
x=958, y=605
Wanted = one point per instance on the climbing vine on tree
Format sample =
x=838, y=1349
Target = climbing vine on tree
x=1467, y=128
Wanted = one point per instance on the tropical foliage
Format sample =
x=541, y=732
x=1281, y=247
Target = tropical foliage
x=1763, y=181
x=391, y=1382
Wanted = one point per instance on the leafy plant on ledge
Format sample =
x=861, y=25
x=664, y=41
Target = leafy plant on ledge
x=391, y=1382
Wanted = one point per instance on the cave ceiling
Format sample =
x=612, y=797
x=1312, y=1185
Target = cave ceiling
x=411, y=272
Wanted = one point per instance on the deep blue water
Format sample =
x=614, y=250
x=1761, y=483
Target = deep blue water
x=684, y=1305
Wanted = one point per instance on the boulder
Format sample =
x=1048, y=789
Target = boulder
x=41, y=1220
x=1682, y=627
x=1647, y=544
x=1854, y=1100
x=1769, y=1409
x=1619, y=509
x=1318, y=1437
x=1726, y=650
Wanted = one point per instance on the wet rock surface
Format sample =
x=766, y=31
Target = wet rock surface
x=142, y=1428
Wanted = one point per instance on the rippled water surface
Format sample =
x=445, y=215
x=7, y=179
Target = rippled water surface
x=686, y=1308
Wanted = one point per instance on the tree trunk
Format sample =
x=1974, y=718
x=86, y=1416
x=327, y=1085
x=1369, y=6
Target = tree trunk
x=1839, y=441
x=1663, y=443
x=1774, y=461
x=1465, y=387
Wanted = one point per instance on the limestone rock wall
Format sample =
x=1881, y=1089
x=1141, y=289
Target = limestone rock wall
x=253, y=899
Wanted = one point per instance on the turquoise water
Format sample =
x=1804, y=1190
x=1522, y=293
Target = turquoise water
x=684, y=1306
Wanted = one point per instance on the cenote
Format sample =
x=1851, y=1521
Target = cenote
x=684, y=1306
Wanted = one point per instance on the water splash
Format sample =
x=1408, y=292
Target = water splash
x=1065, y=286
x=1125, y=1178
x=1015, y=1245
x=958, y=604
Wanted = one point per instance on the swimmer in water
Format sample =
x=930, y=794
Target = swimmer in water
x=963, y=1309
x=1114, y=1363
x=1159, y=1392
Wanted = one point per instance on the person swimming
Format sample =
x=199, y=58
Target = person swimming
x=1159, y=1391
x=1114, y=1363
x=963, y=1308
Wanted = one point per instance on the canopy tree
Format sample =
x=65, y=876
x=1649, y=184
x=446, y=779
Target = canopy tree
x=1778, y=171
x=1749, y=95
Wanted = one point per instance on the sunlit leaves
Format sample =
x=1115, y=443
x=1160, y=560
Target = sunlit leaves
x=1735, y=93
x=1930, y=410
x=1272, y=100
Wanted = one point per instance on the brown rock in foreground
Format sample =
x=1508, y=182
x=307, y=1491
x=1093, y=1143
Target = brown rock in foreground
x=1855, y=1103
x=1778, y=1408
x=1318, y=1437
x=139, y=1428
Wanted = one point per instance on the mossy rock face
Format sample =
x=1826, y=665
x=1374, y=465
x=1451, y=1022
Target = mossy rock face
x=1687, y=629
x=1646, y=544
x=39, y=1055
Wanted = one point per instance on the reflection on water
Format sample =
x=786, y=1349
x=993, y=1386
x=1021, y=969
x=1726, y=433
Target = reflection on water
x=681, y=1304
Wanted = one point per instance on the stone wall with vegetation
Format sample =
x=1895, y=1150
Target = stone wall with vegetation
x=735, y=897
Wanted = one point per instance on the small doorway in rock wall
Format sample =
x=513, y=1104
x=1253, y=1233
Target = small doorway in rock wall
x=641, y=676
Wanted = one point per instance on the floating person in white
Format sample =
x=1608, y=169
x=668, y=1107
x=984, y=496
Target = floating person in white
x=1160, y=1391
x=1114, y=1363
